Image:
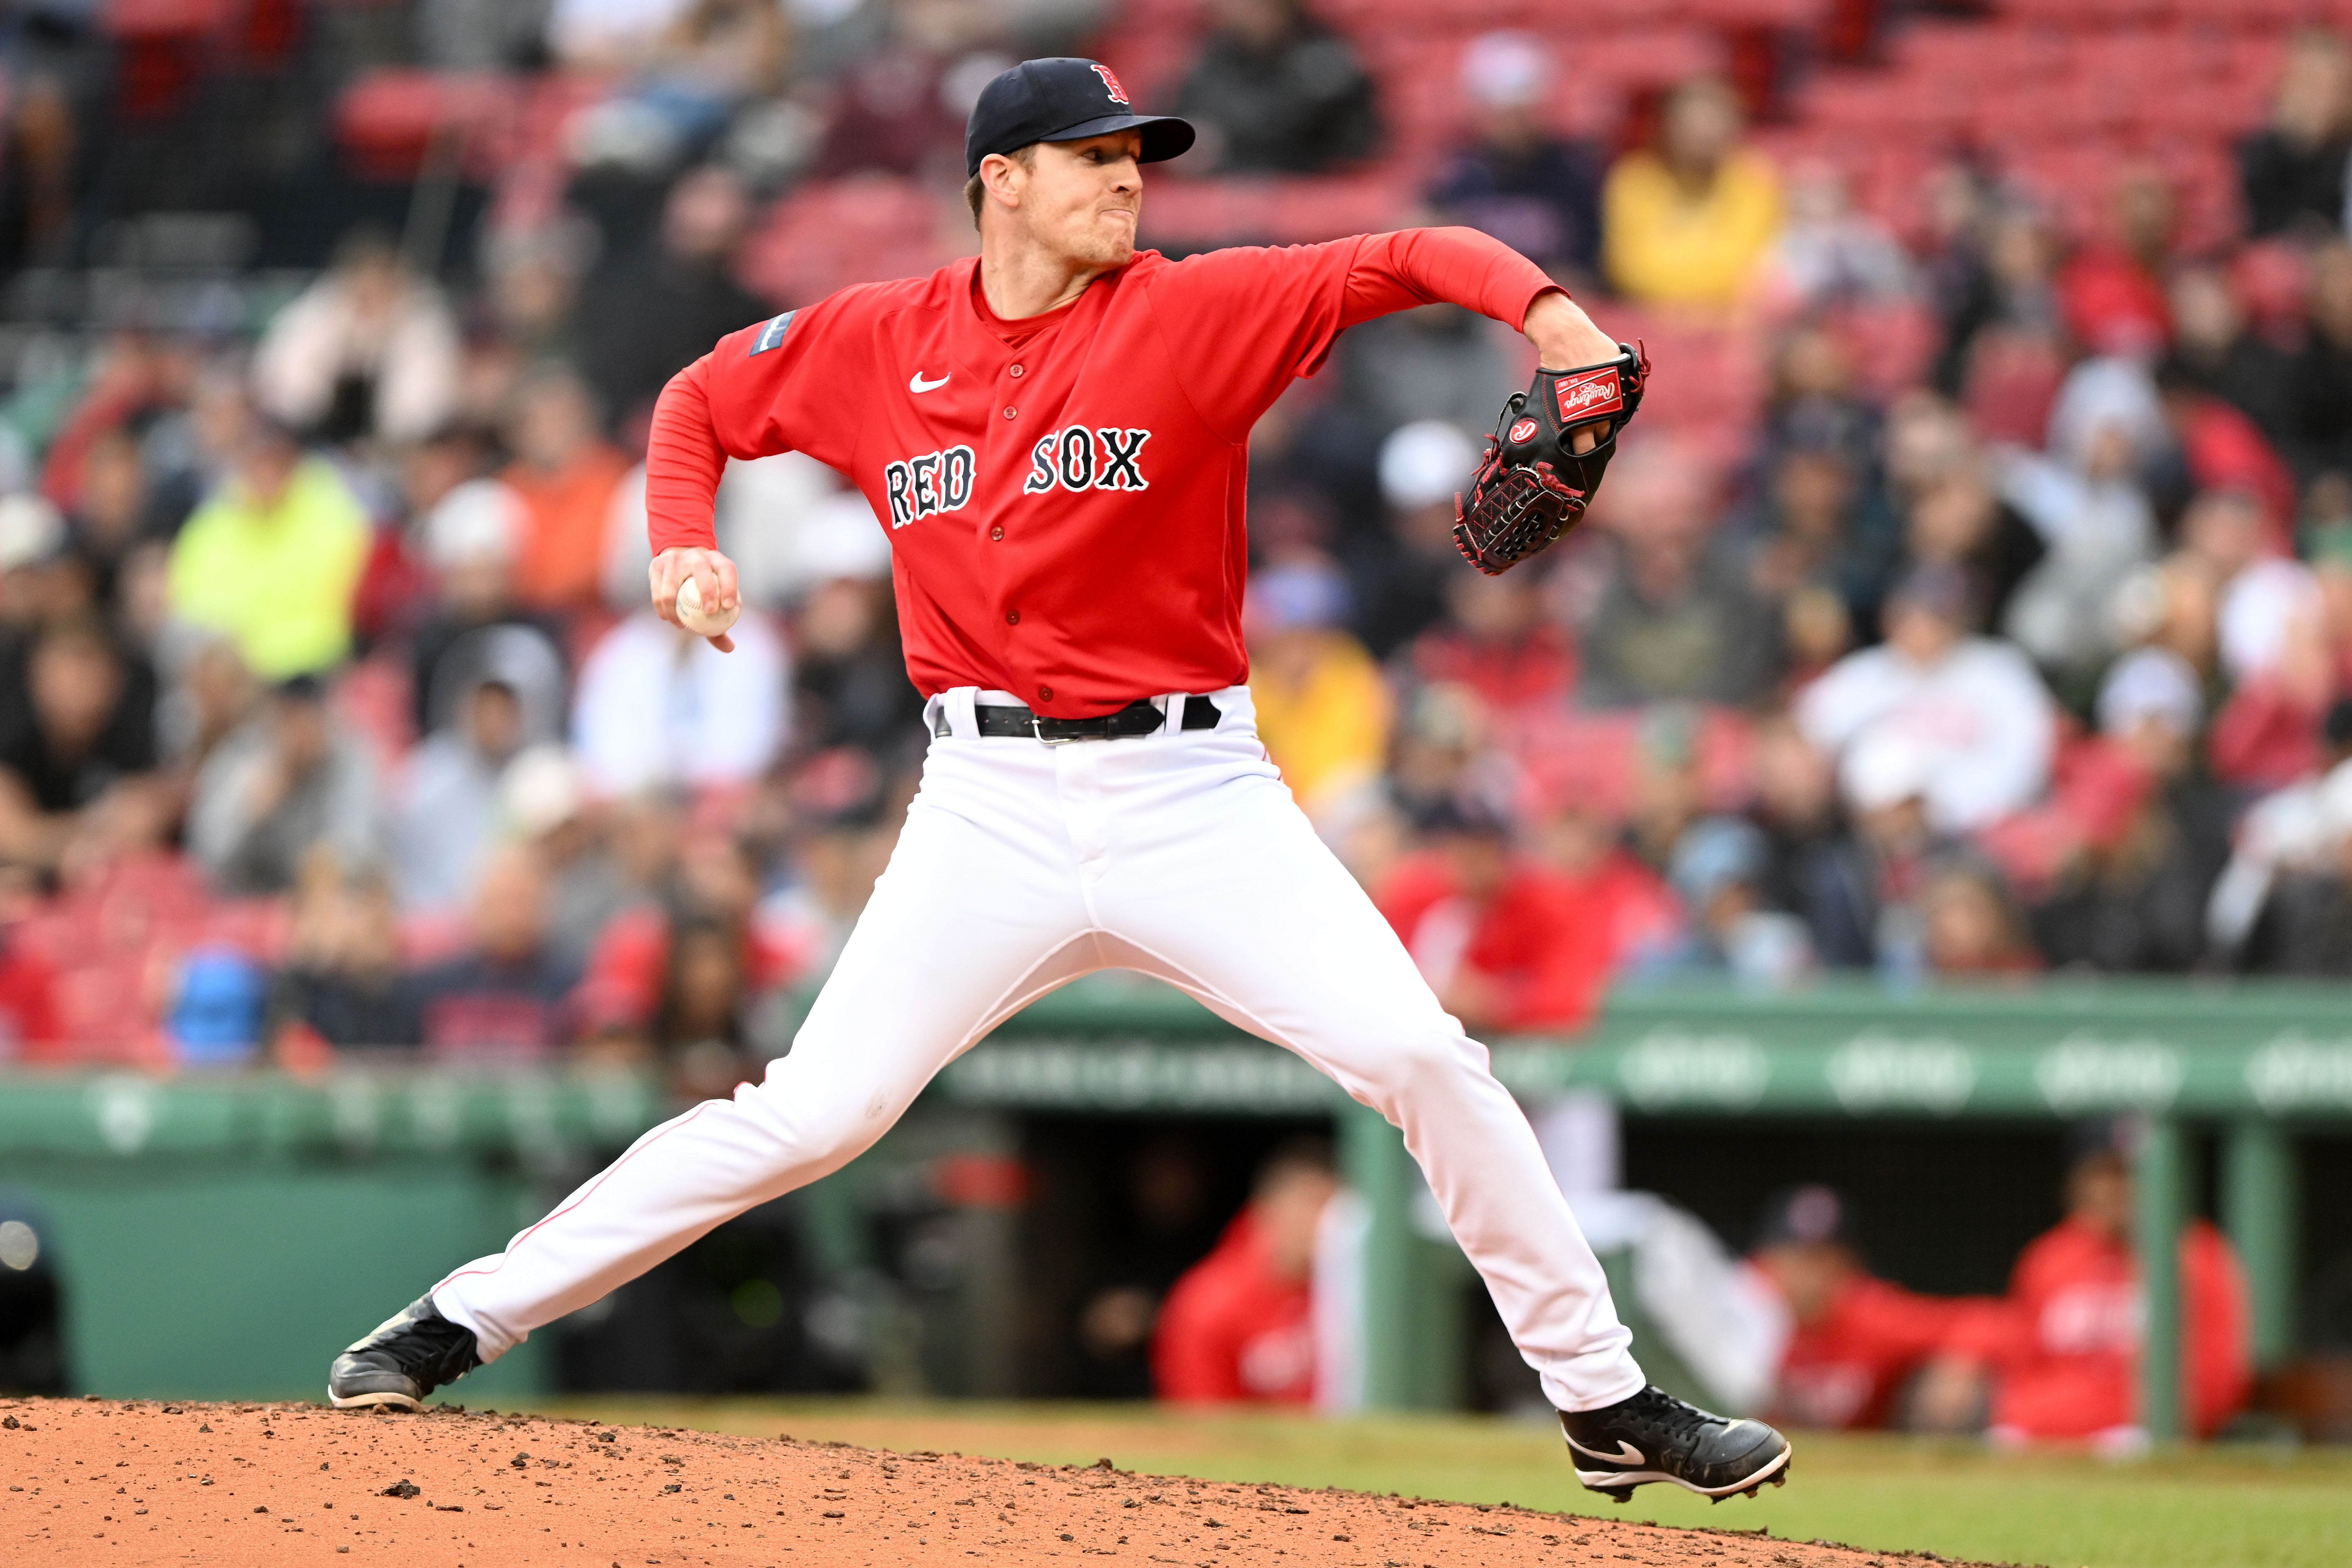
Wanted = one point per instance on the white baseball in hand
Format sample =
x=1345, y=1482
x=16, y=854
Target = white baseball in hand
x=695, y=618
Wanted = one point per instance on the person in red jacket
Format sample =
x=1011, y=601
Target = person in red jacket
x=1855, y=1341
x=1505, y=943
x=2070, y=1368
x=1240, y=1323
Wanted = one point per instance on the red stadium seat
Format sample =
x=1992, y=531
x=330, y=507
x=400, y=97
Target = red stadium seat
x=105, y=1011
x=1585, y=759
x=2012, y=381
x=1890, y=346
x=155, y=21
x=2273, y=278
x=430, y=938
x=387, y=121
x=259, y=928
x=163, y=50
x=1196, y=212
x=830, y=234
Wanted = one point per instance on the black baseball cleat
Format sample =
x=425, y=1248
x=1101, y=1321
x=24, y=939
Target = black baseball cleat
x=408, y=1357
x=1653, y=1436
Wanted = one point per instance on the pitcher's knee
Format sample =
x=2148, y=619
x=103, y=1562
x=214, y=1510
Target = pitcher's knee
x=817, y=1126
x=1418, y=1061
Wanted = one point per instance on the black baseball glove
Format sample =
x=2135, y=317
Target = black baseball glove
x=1531, y=488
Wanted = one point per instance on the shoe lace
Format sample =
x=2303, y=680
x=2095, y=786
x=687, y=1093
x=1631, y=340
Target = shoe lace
x=437, y=1350
x=1672, y=1418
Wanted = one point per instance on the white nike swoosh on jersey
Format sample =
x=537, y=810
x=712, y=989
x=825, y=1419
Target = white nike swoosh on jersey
x=1626, y=1453
x=917, y=384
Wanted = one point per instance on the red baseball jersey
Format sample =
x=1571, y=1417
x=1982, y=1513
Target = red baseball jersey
x=2072, y=1368
x=1846, y=1370
x=1064, y=493
x=1231, y=1329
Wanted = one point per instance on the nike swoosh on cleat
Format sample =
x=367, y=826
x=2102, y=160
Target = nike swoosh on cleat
x=917, y=384
x=1626, y=1453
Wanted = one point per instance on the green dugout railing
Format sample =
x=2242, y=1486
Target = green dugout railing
x=318, y=1201
x=2257, y=1060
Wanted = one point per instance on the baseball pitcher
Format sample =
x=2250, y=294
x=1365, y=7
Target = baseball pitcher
x=1055, y=435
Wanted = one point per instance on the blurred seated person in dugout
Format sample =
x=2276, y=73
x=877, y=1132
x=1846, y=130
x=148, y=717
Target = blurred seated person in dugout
x=1240, y=1323
x=1164, y=1219
x=1854, y=1342
x=2064, y=1363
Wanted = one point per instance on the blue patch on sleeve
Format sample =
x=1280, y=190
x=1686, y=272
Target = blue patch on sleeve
x=772, y=334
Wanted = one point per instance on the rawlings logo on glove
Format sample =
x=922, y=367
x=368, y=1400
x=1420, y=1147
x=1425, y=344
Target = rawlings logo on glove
x=1532, y=486
x=1587, y=393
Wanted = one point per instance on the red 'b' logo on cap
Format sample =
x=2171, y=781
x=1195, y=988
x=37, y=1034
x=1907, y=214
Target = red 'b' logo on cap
x=1117, y=93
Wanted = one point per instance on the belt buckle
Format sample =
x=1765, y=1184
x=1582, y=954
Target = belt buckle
x=1037, y=728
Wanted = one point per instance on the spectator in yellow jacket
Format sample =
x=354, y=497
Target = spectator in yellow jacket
x=1686, y=224
x=269, y=562
x=1323, y=710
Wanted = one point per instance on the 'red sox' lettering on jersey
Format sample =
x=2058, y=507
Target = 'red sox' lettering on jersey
x=1062, y=493
x=932, y=483
x=1078, y=459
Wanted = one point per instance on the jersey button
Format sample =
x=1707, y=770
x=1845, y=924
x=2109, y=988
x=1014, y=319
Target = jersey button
x=1012, y=618
x=1010, y=411
x=1045, y=694
x=1014, y=372
x=996, y=532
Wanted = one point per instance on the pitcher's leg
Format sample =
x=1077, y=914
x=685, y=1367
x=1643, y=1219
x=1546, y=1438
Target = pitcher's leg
x=1251, y=910
x=965, y=923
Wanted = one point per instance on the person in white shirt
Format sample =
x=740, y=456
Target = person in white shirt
x=368, y=351
x=2088, y=502
x=660, y=706
x=1973, y=705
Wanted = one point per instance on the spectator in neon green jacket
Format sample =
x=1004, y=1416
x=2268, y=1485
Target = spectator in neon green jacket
x=270, y=560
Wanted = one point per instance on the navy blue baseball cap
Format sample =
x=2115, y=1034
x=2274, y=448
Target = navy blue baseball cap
x=1062, y=100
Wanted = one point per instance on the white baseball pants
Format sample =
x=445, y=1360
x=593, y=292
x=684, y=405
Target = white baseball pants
x=1022, y=866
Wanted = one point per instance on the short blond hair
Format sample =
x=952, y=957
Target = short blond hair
x=975, y=192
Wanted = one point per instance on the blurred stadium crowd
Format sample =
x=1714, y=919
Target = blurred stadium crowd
x=1974, y=598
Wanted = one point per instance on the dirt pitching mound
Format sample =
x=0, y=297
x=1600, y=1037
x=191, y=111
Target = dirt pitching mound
x=89, y=1482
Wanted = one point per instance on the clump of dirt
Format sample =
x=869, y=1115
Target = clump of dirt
x=92, y=1481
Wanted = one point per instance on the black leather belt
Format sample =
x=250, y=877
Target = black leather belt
x=1141, y=717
